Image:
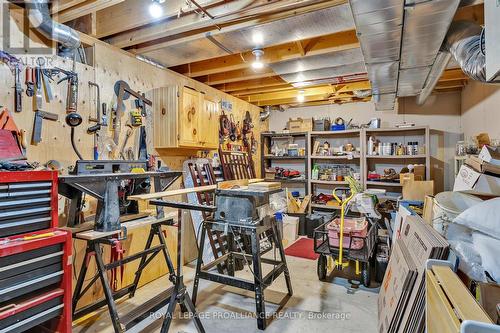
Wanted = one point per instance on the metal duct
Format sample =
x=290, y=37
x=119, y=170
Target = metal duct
x=384, y=102
x=299, y=27
x=379, y=28
x=323, y=73
x=437, y=70
x=313, y=62
x=40, y=19
x=425, y=28
x=333, y=80
x=463, y=42
x=362, y=93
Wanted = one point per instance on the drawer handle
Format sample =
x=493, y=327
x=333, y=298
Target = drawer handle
x=194, y=131
x=163, y=111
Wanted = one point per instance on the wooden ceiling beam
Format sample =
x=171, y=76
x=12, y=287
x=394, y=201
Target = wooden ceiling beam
x=325, y=44
x=319, y=90
x=312, y=98
x=272, y=81
x=474, y=13
x=322, y=90
x=237, y=75
x=451, y=84
x=246, y=92
x=133, y=14
x=452, y=75
x=229, y=16
x=329, y=102
x=84, y=8
x=61, y=5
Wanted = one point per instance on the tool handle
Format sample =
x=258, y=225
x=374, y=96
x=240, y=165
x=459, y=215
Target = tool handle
x=38, y=78
x=72, y=97
x=22, y=138
x=93, y=129
x=29, y=75
x=47, y=234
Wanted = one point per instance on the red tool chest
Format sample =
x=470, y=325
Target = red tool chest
x=28, y=201
x=35, y=257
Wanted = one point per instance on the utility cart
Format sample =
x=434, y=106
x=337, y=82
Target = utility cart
x=343, y=242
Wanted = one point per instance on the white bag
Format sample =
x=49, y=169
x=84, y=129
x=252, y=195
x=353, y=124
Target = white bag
x=483, y=217
x=488, y=248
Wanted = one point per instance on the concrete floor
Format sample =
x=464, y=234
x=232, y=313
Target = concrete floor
x=315, y=306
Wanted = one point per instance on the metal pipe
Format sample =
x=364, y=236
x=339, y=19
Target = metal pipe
x=437, y=70
x=40, y=19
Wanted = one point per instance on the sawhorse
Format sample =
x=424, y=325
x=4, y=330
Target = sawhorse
x=254, y=259
x=141, y=314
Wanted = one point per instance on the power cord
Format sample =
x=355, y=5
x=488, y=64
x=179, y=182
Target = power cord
x=245, y=258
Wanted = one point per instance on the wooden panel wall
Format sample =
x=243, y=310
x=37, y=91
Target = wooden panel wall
x=110, y=65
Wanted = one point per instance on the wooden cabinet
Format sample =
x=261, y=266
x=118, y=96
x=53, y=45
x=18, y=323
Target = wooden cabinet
x=209, y=121
x=189, y=115
x=183, y=118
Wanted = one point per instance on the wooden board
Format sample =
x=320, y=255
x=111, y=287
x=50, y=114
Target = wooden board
x=92, y=234
x=448, y=302
x=265, y=185
x=171, y=193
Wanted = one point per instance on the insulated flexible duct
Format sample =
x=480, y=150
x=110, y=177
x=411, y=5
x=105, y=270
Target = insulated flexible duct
x=463, y=43
x=40, y=19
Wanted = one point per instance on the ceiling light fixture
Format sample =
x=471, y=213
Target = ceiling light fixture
x=257, y=63
x=258, y=38
x=300, y=97
x=155, y=8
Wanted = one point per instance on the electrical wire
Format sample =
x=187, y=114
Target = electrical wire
x=481, y=42
x=74, y=145
x=245, y=259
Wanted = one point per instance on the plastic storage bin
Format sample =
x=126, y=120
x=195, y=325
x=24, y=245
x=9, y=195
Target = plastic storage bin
x=354, y=230
x=290, y=228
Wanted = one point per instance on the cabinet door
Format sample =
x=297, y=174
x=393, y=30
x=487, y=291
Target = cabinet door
x=165, y=109
x=209, y=122
x=189, y=113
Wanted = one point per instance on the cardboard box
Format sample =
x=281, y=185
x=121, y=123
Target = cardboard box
x=490, y=155
x=417, y=190
x=471, y=181
x=482, y=166
x=404, y=278
x=397, y=284
x=423, y=243
x=300, y=124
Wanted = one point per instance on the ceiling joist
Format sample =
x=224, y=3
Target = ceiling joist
x=229, y=16
x=84, y=8
x=314, y=46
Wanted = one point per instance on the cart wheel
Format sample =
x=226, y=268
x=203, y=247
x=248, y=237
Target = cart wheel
x=322, y=267
x=365, y=274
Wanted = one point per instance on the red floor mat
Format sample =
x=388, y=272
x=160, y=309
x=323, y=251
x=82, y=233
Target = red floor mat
x=302, y=248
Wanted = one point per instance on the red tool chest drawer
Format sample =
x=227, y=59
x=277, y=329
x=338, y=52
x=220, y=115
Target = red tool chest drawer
x=28, y=201
x=35, y=281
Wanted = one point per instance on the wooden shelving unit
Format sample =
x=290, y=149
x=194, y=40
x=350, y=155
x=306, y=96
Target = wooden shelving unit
x=360, y=160
x=335, y=138
x=420, y=134
x=269, y=160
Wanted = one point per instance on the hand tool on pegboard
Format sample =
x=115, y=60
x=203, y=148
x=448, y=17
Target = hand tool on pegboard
x=30, y=81
x=123, y=92
x=38, y=91
x=16, y=67
x=18, y=97
x=36, y=136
